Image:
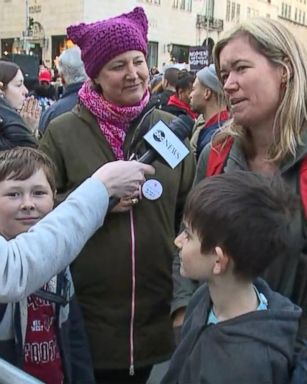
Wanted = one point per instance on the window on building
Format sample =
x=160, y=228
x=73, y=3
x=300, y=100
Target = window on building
x=304, y=14
x=58, y=44
x=286, y=10
x=189, y=5
x=228, y=11
x=233, y=11
x=282, y=9
x=238, y=13
x=6, y=46
x=248, y=12
x=157, y=2
x=210, y=8
x=175, y=3
x=182, y=4
x=289, y=12
x=295, y=15
x=300, y=16
x=180, y=53
x=152, y=57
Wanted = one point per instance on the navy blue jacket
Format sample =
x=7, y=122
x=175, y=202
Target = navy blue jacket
x=71, y=336
x=64, y=104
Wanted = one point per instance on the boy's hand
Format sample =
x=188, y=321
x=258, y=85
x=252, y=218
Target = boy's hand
x=123, y=178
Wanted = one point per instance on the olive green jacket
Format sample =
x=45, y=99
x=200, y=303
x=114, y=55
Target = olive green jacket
x=103, y=272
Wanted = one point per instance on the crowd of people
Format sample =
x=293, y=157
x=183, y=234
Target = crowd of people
x=203, y=265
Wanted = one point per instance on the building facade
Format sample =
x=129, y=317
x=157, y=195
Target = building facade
x=39, y=26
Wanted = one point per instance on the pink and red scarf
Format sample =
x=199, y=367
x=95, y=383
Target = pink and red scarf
x=113, y=120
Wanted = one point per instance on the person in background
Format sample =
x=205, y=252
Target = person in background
x=169, y=82
x=236, y=329
x=57, y=80
x=153, y=72
x=44, y=91
x=262, y=67
x=207, y=99
x=19, y=115
x=43, y=333
x=179, y=102
x=72, y=72
x=155, y=85
x=123, y=276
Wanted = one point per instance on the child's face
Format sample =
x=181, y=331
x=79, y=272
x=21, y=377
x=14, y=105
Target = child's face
x=194, y=264
x=23, y=203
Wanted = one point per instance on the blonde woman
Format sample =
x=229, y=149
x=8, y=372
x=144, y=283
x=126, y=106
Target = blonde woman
x=262, y=68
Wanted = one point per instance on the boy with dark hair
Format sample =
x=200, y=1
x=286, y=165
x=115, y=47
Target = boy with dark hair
x=236, y=329
x=43, y=333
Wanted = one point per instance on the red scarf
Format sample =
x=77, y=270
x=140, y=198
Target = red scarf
x=174, y=100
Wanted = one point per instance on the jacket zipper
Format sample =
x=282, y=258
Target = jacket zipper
x=133, y=258
x=132, y=233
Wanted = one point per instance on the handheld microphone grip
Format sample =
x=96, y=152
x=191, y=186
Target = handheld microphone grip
x=181, y=126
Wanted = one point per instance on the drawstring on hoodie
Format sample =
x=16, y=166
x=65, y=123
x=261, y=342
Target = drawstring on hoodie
x=132, y=233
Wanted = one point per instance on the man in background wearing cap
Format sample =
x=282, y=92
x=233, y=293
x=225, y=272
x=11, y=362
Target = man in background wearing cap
x=207, y=99
x=44, y=91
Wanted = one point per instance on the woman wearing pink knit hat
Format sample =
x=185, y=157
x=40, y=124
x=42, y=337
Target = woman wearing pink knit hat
x=123, y=277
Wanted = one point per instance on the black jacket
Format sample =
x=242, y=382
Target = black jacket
x=255, y=348
x=13, y=131
x=161, y=99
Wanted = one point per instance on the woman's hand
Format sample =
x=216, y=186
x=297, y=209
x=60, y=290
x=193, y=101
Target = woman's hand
x=126, y=203
x=30, y=112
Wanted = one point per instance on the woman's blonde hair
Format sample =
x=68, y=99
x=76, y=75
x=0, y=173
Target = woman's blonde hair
x=274, y=41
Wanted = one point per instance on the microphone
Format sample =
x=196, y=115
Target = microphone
x=181, y=126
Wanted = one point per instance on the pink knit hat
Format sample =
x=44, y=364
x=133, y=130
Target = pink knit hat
x=101, y=41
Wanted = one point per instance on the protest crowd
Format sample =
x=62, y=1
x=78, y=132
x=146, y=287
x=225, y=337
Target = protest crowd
x=153, y=221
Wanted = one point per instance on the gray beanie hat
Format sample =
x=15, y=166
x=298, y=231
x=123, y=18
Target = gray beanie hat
x=208, y=77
